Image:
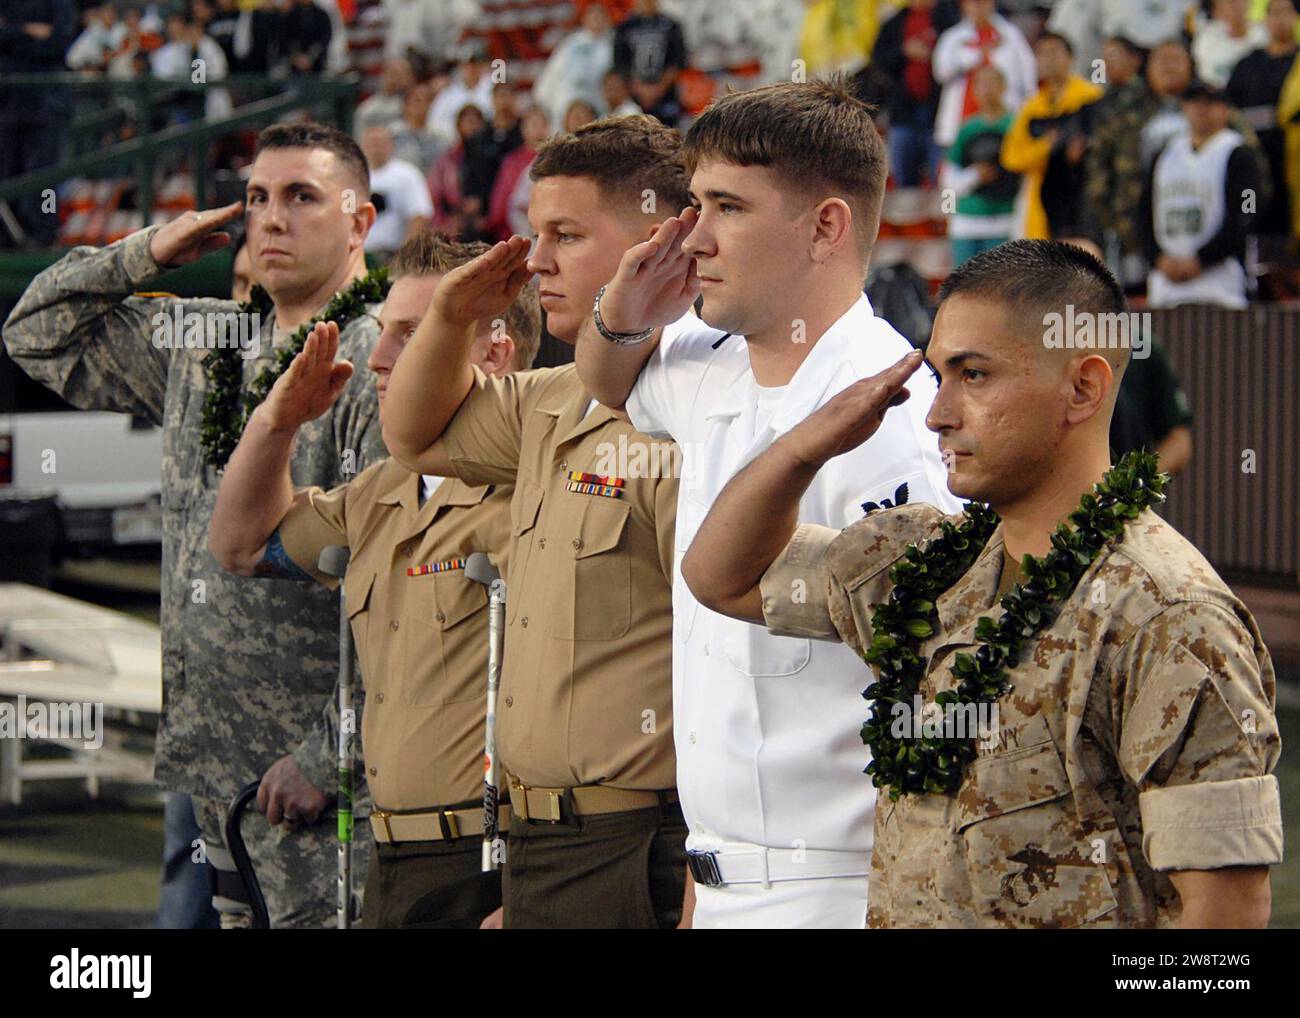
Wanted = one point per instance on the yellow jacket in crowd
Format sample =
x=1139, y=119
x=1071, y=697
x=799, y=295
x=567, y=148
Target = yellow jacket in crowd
x=1024, y=154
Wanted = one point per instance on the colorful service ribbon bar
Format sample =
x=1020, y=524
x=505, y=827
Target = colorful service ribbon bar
x=605, y=482
x=436, y=567
x=604, y=490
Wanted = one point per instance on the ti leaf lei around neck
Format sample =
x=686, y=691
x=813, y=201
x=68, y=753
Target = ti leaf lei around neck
x=227, y=407
x=900, y=624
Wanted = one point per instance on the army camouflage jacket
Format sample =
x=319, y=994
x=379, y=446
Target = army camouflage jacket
x=248, y=667
x=1138, y=738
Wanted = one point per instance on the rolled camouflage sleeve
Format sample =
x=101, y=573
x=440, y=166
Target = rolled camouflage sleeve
x=826, y=582
x=1199, y=739
x=797, y=587
x=77, y=331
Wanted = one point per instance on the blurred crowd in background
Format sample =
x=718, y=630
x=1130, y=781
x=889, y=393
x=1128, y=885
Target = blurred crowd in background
x=1003, y=119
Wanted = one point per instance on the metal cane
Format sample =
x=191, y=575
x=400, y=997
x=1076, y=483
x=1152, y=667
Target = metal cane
x=479, y=569
x=333, y=561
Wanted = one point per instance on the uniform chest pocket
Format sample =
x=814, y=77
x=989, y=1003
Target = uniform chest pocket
x=1028, y=861
x=602, y=587
x=445, y=651
x=357, y=587
x=525, y=505
x=184, y=468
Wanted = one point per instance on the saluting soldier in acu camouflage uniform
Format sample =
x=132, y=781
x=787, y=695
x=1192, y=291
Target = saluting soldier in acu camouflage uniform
x=1124, y=780
x=248, y=667
x=421, y=624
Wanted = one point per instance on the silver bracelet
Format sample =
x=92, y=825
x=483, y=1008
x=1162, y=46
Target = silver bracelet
x=619, y=338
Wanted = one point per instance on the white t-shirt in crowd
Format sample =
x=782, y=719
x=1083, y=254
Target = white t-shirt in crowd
x=406, y=196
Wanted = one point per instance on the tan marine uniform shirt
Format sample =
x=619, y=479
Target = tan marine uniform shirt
x=586, y=687
x=422, y=640
x=1139, y=736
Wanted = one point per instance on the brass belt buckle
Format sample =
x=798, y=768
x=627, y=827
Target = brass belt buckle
x=449, y=825
x=553, y=807
x=387, y=828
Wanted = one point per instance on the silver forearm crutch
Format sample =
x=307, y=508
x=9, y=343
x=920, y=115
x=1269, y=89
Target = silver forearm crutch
x=333, y=561
x=479, y=569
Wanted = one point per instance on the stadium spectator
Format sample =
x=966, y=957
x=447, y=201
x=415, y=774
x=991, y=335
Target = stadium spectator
x=1255, y=88
x=429, y=28
x=249, y=36
x=579, y=114
x=1087, y=23
x=1288, y=118
x=455, y=212
x=412, y=140
x=1194, y=220
x=1221, y=41
x=1121, y=66
x=101, y=41
x=484, y=150
x=577, y=65
x=398, y=191
x=902, y=53
x=982, y=36
x=385, y=107
x=191, y=55
x=650, y=53
x=1124, y=143
x=986, y=191
x=508, y=206
x=34, y=37
x=470, y=85
x=306, y=32
x=617, y=96
x=1050, y=135
x=505, y=130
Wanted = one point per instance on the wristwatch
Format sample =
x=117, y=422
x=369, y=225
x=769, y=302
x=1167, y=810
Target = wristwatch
x=620, y=338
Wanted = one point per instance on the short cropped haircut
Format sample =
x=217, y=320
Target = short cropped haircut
x=313, y=135
x=626, y=157
x=1033, y=278
x=430, y=253
x=818, y=137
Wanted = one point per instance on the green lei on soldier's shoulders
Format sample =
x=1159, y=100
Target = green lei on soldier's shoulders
x=227, y=407
x=908, y=617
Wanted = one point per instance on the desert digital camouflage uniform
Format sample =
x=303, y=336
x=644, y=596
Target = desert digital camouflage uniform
x=1138, y=739
x=249, y=667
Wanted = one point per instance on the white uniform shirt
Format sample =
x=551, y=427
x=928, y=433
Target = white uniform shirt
x=766, y=727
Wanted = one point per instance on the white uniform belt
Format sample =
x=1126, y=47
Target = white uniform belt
x=772, y=865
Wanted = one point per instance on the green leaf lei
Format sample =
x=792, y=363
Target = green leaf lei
x=227, y=406
x=899, y=625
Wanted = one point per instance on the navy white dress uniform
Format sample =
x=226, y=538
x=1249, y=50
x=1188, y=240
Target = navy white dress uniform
x=769, y=759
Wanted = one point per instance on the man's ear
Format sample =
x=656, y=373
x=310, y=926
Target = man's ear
x=1092, y=378
x=832, y=229
x=499, y=358
x=362, y=220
